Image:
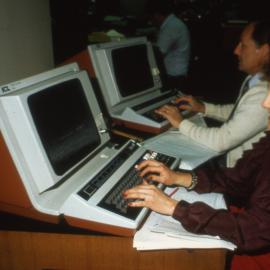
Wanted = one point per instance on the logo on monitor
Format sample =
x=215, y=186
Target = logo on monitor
x=5, y=89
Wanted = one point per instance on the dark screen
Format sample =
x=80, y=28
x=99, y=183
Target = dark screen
x=64, y=123
x=132, y=70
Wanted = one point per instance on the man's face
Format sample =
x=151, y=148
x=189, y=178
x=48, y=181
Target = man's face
x=251, y=57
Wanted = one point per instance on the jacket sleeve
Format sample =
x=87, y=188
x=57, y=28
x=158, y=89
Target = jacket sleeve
x=248, y=120
x=218, y=112
x=248, y=229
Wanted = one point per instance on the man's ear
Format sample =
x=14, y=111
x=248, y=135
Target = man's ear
x=264, y=50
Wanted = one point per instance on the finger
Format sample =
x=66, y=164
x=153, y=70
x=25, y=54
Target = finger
x=161, y=110
x=155, y=178
x=145, y=182
x=174, y=110
x=185, y=107
x=141, y=165
x=147, y=163
x=134, y=195
x=151, y=170
x=183, y=98
x=169, y=108
x=137, y=204
x=165, y=107
x=140, y=189
x=163, y=114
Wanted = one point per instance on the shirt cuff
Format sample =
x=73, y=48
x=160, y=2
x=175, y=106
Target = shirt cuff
x=181, y=210
x=210, y=109
x=185, y=126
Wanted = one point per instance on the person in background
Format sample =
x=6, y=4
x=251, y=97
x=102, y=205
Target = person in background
x=173, y=42
x=243, y=122
x=246, y=188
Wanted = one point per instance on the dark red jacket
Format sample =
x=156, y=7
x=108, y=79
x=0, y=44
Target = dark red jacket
x=248, y=186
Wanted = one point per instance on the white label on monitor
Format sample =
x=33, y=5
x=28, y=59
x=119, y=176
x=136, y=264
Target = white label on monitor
x=155, y=71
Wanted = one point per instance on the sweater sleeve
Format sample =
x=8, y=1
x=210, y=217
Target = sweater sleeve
x=248, y=120
x=218, y=112
x=250, y=184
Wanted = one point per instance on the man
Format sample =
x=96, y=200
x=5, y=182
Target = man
x=247, y=186
x=244, y=121
x=173, y=42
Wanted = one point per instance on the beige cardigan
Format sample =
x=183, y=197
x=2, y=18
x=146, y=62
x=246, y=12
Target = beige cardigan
x=240, y=132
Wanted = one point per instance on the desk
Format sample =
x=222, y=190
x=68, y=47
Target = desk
x=24, y=247
x=49, y=246
x=27, y=244
x=36, y=250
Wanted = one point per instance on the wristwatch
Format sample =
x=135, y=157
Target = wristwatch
x=194, y=181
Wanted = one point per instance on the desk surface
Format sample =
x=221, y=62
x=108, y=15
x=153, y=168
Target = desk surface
x=28, y=244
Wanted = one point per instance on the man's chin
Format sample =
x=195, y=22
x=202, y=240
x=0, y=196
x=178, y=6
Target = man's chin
x=240, y=68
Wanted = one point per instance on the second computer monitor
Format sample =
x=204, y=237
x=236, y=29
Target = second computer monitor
x=125, y=70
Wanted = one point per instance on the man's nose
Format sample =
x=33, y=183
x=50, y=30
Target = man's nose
x=237, y=49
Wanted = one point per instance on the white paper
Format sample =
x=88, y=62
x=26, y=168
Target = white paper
x=175, y=144
x=130, y=115
x=164, y=232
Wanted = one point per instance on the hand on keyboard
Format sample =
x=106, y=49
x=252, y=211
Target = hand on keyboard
x=172, y=114
x=114, y=200
x=181, y=104
x=190, y=103
x=156, y=172
x=154, y=116
x=151, y=197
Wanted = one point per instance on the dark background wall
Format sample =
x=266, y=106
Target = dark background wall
x=215, y=26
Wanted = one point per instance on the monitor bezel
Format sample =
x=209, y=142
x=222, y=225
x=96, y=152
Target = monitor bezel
x=35, y=166
x=103, y=66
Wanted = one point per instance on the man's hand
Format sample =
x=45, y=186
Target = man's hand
x=151, y=197
x=158, y=172
x=172, y=114
x=190, y=103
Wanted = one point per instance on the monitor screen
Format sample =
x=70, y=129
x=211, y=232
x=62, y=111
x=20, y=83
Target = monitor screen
x=64, y=123
x=132, y=70
x=52, y=124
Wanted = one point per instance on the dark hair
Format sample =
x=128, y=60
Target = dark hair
x=163, y=7
x=261, y=36
x=261, y=32
x=266, y=71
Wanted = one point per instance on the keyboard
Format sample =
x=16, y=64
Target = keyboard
x=100, y=199
x=114, y=200
x=151, y=114
x=95, y=183
x=140, y=106
x=159, y=118
x=154, y=116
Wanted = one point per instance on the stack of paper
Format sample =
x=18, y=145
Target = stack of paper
x=163, y=232
x=173, y=143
